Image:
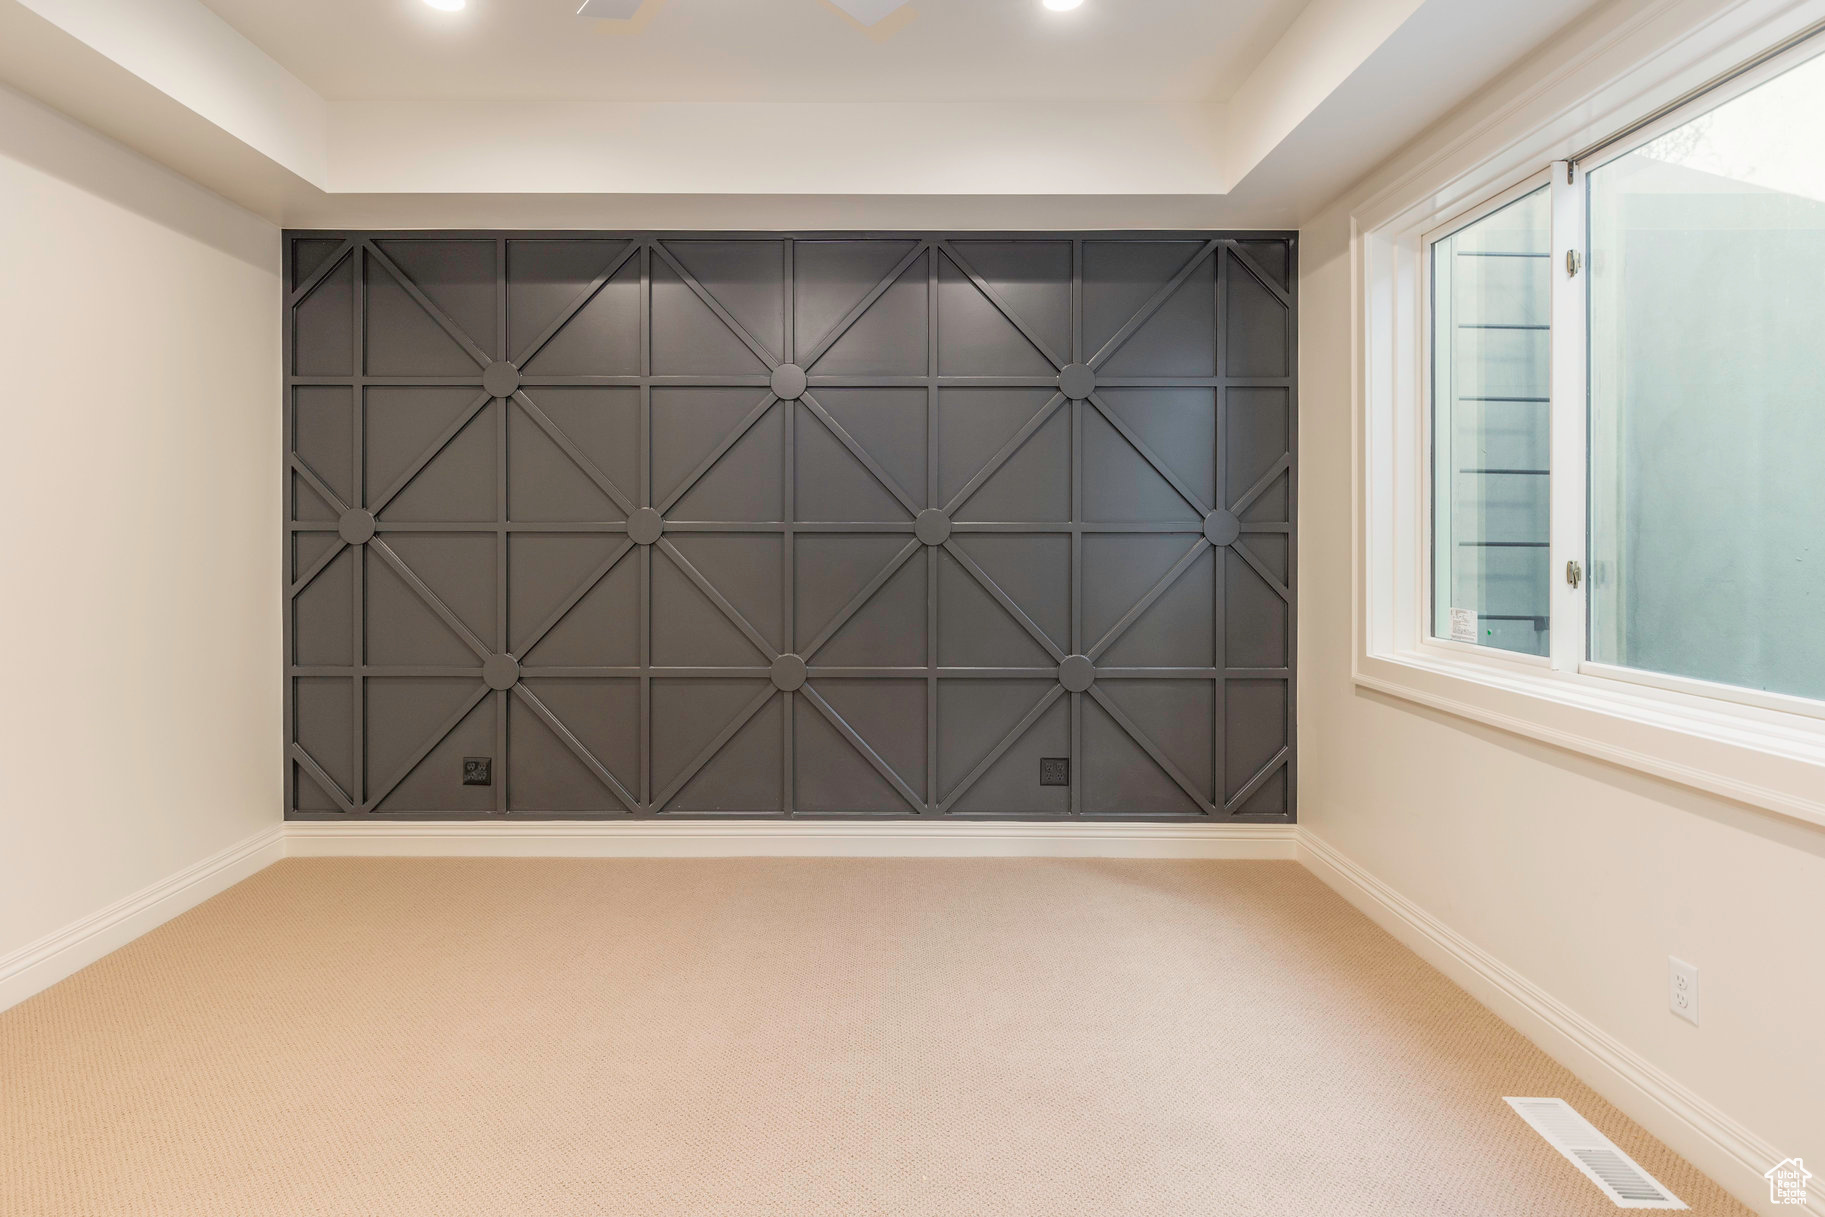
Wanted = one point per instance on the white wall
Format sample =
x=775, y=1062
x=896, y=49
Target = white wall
x=916, y=148
x=1580, y=876
x=139, y=524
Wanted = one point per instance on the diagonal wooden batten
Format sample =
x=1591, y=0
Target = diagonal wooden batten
x=994, y=298
x=1147, y=454
x=734, y=615
x=861, y=598
x=1146, y=602
x=575, y=598
x=1006, y=601
x=721, y=450
x=1247, y=261
x=569, y=447
x=1013, y=737
x=1273, y=766
x=316, y=568
x=836, y=332
x=431, y=453
x=432, y=600
x=855, y=449
x=321, y=776
x=864, y=749
x=1134, y=733
x=1261, y=485
x=723, y=315
x=1280, y=589
x=531, y=350
x=576, y=746
x=1154, y=305
x=1005, y=454
x=318, y=486
x=456, y=332
x=437, y=737
x=319, y=275
x=712, y=748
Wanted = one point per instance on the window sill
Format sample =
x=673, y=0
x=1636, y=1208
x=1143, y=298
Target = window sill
x=1765, y=758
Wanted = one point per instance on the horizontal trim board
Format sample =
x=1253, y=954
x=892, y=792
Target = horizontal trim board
x=1718, y=1145
x=39, y=965
x=788, y=839
x=815, y=234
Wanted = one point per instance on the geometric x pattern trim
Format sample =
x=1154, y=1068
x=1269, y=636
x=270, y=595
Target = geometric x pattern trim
x=811, y=524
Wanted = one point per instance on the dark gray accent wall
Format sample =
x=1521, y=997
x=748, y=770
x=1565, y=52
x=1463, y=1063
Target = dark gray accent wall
x=811, y=524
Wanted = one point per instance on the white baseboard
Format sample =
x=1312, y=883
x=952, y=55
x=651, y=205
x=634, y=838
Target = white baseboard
x=1719, y=1146
x=788, y=839
x=41, y=964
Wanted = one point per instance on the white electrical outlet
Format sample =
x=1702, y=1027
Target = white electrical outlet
x=1682, y=988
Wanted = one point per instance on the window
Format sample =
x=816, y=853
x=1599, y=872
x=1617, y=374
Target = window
x=1707, y=395
x=1592, y=439
x=1702, y=555
x=1491, y=359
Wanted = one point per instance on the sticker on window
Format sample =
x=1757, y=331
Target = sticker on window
x=1463, y=625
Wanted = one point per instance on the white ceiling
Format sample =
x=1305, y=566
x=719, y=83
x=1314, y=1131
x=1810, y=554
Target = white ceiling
x=777, y=113
x=766, y=50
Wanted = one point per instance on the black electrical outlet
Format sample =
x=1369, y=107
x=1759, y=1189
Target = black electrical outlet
x=478, y=771
x=1054, y=771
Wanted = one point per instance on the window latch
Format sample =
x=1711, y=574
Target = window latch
x=1573, y=263
x=1574, y=574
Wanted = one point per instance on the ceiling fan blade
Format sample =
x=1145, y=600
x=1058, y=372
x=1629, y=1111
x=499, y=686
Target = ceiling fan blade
x=869, y=12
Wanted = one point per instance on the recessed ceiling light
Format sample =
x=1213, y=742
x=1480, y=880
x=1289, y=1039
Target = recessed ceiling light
x=1062, y=6
x=451, y=6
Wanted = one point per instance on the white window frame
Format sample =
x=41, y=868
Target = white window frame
x=1764, y=749
x=1427, y=574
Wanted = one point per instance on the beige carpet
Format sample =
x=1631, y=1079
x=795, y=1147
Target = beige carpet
x=792, y=1037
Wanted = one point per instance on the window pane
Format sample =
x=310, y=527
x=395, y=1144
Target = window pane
x=1491, y=345
x=1708, y=395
